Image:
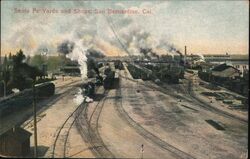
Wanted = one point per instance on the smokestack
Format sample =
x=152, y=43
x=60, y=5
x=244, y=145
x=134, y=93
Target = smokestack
x=185, y=50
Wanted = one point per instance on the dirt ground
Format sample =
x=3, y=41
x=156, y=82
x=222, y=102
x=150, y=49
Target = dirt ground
x=183, y=124
x=122, y=139
x=137, y=115
x=215, y=103
x=51, y=119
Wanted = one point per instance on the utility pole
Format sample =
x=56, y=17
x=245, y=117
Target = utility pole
x=4, y=88
x=34, y=113
x=185, y=50
x=0, y=58
x=185, y=57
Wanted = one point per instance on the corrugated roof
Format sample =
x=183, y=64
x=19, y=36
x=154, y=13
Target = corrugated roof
x=222, y=67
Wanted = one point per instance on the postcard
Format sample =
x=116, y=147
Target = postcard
x=124, y=79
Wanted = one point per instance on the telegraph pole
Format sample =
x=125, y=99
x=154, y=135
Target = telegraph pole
x=0, y=58
x=34, y=113
x=4, y=88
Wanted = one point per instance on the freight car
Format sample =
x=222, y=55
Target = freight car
x=171, y=74
x=24, y=98
x=139, y=72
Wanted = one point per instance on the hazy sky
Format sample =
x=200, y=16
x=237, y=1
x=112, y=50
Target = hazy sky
x=204, y=26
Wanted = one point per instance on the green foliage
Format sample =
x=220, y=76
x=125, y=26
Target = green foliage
x=54, y=63
x=5, y=73
x=10, y=56
x=22, y=74
x=37, y=60
x=18, y=58
x=5, y=62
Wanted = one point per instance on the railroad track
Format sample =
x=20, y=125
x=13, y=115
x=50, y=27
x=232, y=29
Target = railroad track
x=189, y=94
x=90, y=133
x=194, y=98
x=146, y=134
x=164, y=90
x=53, y=100
x=211, y=108
x=61, y=139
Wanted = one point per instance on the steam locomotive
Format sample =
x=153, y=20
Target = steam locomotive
x=109, y=80
x=118, y=65
x=89, y=89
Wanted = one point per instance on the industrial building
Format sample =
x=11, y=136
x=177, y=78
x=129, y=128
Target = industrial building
x=225, y=71
x=15, y=142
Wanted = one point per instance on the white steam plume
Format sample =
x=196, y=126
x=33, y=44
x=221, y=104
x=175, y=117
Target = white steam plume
x=79, y=54
x=79, y=97
x=201, y=57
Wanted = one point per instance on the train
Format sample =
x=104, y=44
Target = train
x=118, y=65
x=171, y=74
x=24, y=98
x=140, y=72
x=166, y=72
x=111, y=79
x=89, y=89
x=108, y=82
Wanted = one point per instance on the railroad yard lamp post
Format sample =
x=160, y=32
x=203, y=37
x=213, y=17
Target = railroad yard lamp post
x=45, y=63
x=34, y=115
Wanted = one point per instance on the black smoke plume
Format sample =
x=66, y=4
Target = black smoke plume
x=148, y=52
x=66, y=47
x=92, y=53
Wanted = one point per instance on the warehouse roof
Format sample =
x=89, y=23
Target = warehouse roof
x=222, y=67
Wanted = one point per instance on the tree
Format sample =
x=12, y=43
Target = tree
x=5, y=63
x=10, y=56
x=18, y=58
x=28, y=59
x=37, y=60
x=54, y=63
x=22, y=74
